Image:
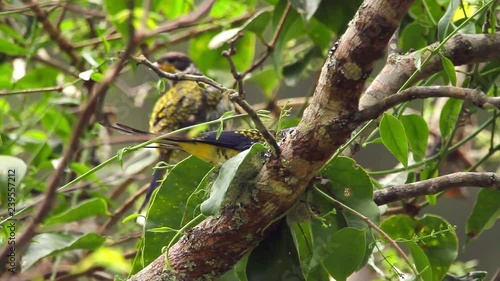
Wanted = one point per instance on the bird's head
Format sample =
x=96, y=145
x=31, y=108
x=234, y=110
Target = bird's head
x=173, y=62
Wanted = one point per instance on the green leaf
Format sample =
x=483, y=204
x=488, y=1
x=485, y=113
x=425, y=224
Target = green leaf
x=449, y=116
x=230, y=8
x=426, y=11
x=175, y=199
x=11, y=49
x=258, y=22
x=303, y=238
x=413, y=37
x=352, y=186
x=105, y=44
x=421, y=261
x=418, y=58
x=344, y=253
x=96, y=76
x=320, y=34
x=226, y=181
x=417, y=133
x=89, y=208
x=394, y=138
x=275, y=258
x=54, y=120
x=173, y=9
x=335, y=16
x=445, y=23
x=39, y=78
x=267, y=80
x=119, y=15
x=292, y=27
x=308, y=8
x=212, y=64
x=130, y=217
x=238, y=272
x=9, y=31
x=160, y=86
x=294, y=71
x=449, y=69
x=111, y=259
x=12, y=172
x=6, y=72
x=432, y=234
x=485, y=212
x=223, y=37
x=163, y=229
x=80, y=169
x=49, y=244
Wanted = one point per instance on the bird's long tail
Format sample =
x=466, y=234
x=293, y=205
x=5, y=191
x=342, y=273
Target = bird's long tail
x=167, y=146
x=163, y=143
x=156, y=180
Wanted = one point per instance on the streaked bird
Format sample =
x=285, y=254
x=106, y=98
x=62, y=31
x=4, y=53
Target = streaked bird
x=186, y=103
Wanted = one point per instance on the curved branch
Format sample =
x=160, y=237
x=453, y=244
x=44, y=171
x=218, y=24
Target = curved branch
x=436, y=185
x=474, y=96
x=461, y=49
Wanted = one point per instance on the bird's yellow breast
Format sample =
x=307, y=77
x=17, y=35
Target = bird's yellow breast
x=208, y=152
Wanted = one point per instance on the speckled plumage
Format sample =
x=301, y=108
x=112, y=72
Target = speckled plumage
x=186, y=103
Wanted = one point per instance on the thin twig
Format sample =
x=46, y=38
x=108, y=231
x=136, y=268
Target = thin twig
x=436, y=185
x=120, y=211
x=270, y=46
x=178, y=76
x=33, y=91
x=474, y=96
x=239, y=98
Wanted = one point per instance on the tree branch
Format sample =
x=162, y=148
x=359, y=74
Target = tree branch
x=436, y=185
x=214, y=246
x=461, y=49
x=474, y=96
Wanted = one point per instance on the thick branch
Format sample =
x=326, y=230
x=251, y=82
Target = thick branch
x=461, y=49
x=476, y=97
x=436, y=185
x=215, y=245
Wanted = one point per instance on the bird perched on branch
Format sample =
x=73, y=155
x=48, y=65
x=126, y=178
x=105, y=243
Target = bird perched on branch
x=186, y=103
x=212, y=147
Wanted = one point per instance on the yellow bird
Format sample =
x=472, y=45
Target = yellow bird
x=212, y=147
x=186, y=103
